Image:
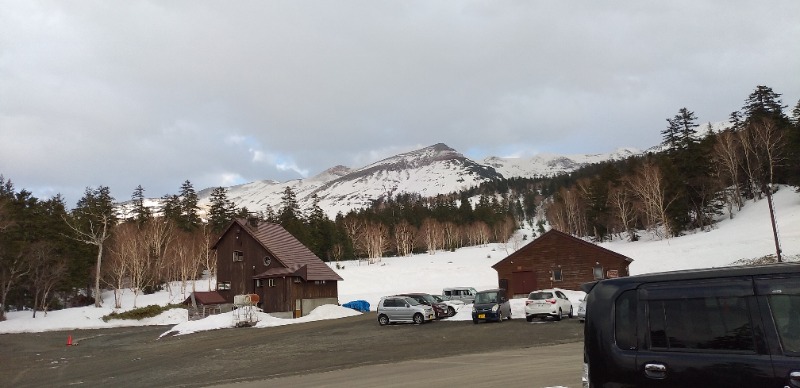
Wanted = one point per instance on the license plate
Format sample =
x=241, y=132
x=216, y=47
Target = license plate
x=481, y=316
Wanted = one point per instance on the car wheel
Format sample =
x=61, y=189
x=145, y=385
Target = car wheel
x=560, y=314
x=509, y=316
x=529, y=318
x=419, y=319
x=451, y=311
x=571, y=315
x=383, y=320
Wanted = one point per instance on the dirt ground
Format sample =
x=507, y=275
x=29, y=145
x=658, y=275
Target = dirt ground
x=135, y=357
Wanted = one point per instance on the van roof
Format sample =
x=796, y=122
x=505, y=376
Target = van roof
x=702, y=273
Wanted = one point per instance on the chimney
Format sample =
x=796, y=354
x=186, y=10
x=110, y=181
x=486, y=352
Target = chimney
x=252, y=221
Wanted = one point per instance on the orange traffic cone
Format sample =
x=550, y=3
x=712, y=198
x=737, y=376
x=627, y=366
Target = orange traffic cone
x=69, y=340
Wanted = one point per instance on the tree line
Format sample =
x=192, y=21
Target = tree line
x=696, y=176
x=51, y=257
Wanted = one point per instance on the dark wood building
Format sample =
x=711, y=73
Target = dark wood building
x=264, y=259
x=204, y=303
x=556, y=259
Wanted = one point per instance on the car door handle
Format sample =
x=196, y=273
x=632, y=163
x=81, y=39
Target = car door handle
x=794, y=379
x=655, y=371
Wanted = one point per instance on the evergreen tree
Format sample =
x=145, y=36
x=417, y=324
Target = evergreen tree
x=321, y=231
x=681, y=132
x=290, y=217
x=140, y=212
x=793, y=148
x=764, y=103
x=189, y=219
x=171, y=208
x=222, y=211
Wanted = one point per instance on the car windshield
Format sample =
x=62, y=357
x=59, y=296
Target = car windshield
x=428, y=298
x=437, y=298
x=540, y=295
x=486, y=297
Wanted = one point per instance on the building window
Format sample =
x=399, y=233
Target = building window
x=319, y=282
x=238, y=256
x=598, y=272
x=297, y=280
x=267, y=260
x=259, y=283
x=223, y=286
x=557, y=277
x=271, y=282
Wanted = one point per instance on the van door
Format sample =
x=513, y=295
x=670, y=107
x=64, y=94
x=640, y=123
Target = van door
x=780, y=302
x=702, y=334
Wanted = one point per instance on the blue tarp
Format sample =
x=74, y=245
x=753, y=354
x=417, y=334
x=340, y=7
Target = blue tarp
x=359, y=305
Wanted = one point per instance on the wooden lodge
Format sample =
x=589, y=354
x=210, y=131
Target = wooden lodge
x=263, y=258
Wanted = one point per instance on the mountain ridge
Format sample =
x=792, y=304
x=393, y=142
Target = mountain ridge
x=428, y=171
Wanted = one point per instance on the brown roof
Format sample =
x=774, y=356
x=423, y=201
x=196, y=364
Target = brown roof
x=297, y=259
x=205, y=297
x=552, y=233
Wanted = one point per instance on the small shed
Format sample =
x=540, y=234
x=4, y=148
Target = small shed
x=263, y=258
x=559, y=260
x=204, y=303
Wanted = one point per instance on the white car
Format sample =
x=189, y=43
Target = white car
x=547, y=303
x=452, y=305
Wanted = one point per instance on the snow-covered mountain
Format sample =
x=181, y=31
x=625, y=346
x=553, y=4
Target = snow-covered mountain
x=429, y=171
x=551, y=164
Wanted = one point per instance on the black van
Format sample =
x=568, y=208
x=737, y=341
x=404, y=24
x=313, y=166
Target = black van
x=729, y=327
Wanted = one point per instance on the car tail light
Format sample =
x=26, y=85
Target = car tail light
x=551, y=301
x=527, y=302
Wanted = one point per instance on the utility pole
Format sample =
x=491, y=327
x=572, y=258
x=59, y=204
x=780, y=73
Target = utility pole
x=774, y=225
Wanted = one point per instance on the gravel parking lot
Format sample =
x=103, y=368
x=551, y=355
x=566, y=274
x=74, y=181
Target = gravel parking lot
x=128, y=357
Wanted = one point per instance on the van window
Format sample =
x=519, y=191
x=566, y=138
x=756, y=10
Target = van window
x=709, y=323
x=783, y=296
x=625, y=320
x=786, y=314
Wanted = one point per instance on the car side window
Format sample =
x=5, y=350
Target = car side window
x=711, y=316
x=625, y=320
x=783, y=296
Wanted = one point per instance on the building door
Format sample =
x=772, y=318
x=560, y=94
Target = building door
x=503, y=283
x=523, y=282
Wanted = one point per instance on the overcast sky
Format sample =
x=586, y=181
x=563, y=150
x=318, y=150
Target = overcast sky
x=152, y=93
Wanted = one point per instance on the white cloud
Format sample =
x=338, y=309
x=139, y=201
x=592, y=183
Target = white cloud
x=276, y=90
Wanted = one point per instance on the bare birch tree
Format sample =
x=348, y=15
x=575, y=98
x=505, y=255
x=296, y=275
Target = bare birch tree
x=404, y=234
x=647, y=185
x=47, y=268
x=727, y=153
x=623, y=209
x=92, y=223
x=431, y=235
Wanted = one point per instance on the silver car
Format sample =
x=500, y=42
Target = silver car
x=582, y=310
x=393, y=309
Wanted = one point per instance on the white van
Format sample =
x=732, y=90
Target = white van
x=466, y=294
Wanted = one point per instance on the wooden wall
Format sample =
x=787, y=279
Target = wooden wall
x=531, y=268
